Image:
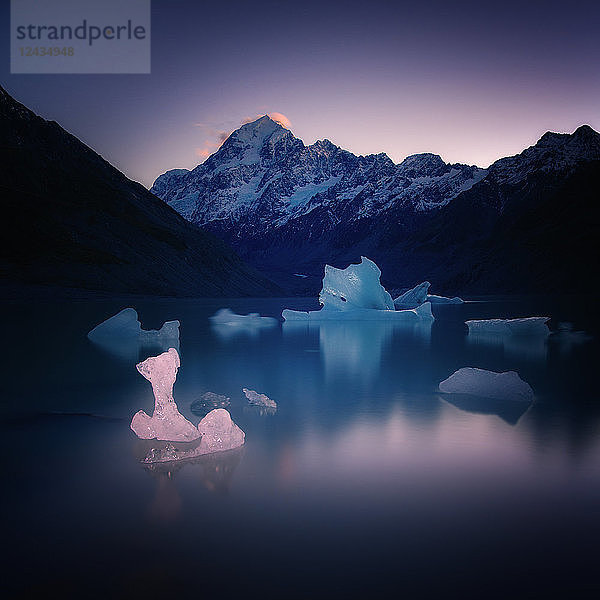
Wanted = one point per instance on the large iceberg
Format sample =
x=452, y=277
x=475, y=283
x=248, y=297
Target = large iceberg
x=487, y=384
x=225, y=316
x=355, y=293
x=525, y=326
x=419, y=295
x=125, y=324
x=166, y=422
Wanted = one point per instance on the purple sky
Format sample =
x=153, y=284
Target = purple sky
x=471, y=81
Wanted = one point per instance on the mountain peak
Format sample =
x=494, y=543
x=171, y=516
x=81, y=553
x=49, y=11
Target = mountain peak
x=585, y=131
x=256, y=132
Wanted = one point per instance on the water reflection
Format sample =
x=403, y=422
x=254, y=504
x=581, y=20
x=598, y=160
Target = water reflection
x=252, y=330
x=214, y=471
x=134, y=350
x=510, y=411
x=532, y=348
x=355, y=348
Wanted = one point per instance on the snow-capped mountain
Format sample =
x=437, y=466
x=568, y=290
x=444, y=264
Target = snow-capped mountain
x=263, y=177
x=289, y=208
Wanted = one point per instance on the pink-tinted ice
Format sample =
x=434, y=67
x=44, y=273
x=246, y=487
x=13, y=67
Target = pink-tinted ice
x=166, y=423
x=257, y=399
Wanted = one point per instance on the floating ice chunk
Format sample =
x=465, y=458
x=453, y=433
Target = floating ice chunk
x=166, y=422
x=420, y=314
x=257, y=399
x=526, y=326
x=414, y=297
x=356, y=294
x=488, y=384
x=125, y=324
x=444, y=300
x=355, y=287
x=219, y=432
x=225, y=316
x=208, y=402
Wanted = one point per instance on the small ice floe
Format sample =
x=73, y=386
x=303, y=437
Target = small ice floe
x=215, y=432
x=209, y=401
x=125, y=324
x=122, y=335
x=419, y=295
x=356, y=294
x=525, y=326
x=488, y=384
x=225, y=316
x=256, y=399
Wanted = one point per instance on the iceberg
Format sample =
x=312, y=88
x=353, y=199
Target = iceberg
x=256, y=399
x=225, y=316
x=488, y=384
x=126, y=325
x=355, y=293
x=525, y=326
x=355, y=287
x=166, y=423
x=414, y=297
x=215, y=432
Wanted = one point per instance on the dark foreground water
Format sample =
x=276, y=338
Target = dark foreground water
x=365, y=483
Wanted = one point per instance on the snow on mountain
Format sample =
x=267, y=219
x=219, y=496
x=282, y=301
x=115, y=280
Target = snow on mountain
x=553, y=153
x=262, y=177
x=288, y=208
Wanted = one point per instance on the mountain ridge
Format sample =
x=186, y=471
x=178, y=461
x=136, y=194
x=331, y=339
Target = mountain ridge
x=292, y=208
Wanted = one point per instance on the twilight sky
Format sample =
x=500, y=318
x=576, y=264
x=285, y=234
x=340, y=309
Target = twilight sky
x=471, y=81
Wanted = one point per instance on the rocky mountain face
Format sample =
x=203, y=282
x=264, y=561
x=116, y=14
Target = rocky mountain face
x=289, y=209
x=70, y=219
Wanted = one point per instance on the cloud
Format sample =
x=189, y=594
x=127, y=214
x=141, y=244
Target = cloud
x=213, y=141
x=281, y=119
x=276, y=116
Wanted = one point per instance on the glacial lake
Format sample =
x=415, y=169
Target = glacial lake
x=366, y=482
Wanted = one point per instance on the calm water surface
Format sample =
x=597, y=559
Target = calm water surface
x=365, y=483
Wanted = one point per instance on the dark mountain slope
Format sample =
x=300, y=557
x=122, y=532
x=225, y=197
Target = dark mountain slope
x=71, y=219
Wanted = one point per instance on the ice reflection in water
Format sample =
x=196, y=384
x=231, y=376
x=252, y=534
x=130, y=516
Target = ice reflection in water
x=214, y=471
x=509, y=411
x=533, y=348
x=355, y=348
